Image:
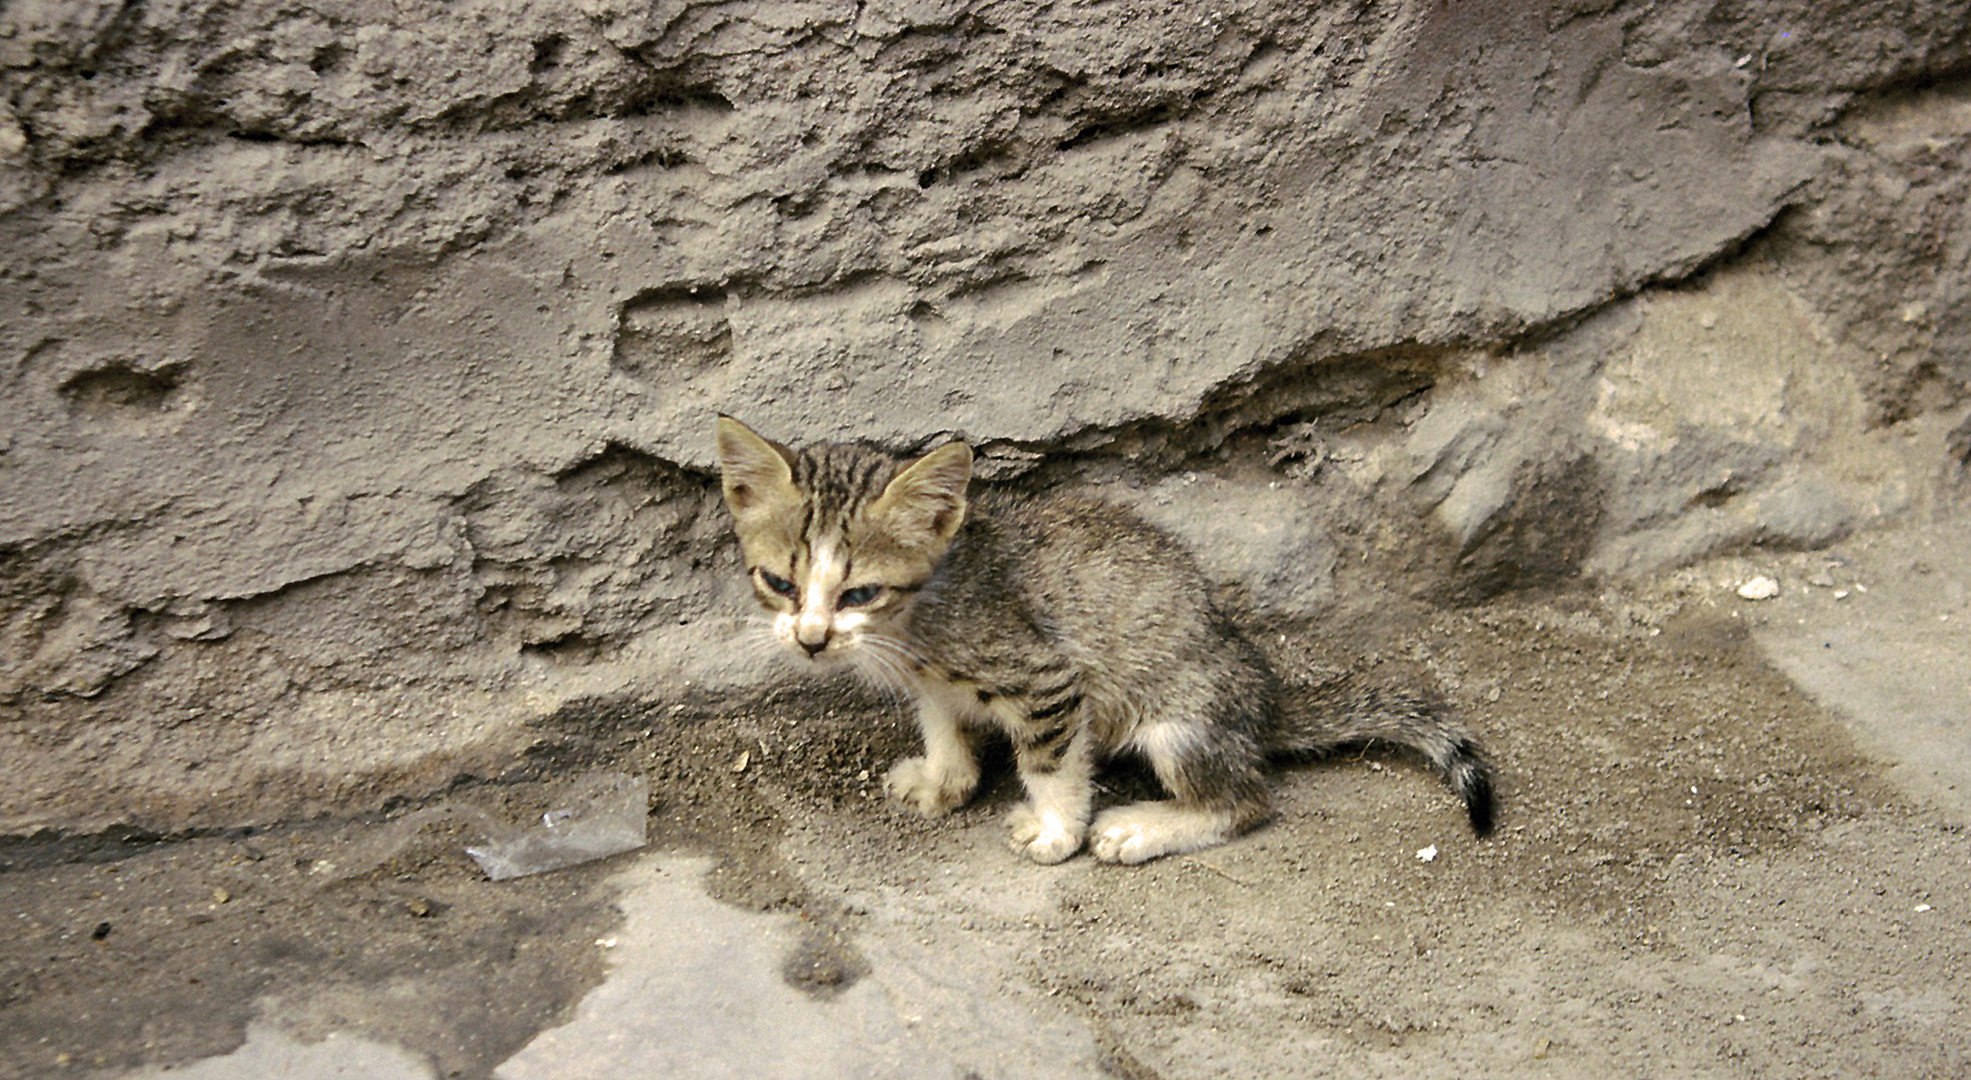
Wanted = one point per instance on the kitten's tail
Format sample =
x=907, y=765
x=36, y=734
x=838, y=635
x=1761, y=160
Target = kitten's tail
x=1320, y=719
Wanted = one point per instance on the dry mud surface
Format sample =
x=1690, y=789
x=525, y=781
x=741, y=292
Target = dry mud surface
x=1697, y=874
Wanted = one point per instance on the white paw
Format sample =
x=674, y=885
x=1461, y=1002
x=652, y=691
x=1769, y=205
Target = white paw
x=1126, y=842
x=927, y=790
x=1042, y=838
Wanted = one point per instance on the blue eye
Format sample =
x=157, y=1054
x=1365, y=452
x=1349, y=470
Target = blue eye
x=778, y=584
x=860, y=595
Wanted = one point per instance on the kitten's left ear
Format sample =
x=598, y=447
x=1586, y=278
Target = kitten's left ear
x=929, y=494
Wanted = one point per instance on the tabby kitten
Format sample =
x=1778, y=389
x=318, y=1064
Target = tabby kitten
x=1071, y=626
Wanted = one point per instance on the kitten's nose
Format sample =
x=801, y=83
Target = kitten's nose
x=814, y=647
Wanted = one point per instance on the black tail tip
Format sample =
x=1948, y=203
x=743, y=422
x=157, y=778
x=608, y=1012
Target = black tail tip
x=1475, y=785
x=1481, y=804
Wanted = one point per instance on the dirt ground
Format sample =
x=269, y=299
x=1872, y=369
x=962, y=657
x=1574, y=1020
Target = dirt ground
x=1697, y=874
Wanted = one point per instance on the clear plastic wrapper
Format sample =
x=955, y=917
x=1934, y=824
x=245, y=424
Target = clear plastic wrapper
x=599, y=815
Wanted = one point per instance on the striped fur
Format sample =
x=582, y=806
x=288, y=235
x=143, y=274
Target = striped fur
x=1070, y=626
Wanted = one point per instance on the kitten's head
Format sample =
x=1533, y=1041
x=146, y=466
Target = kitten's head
x=839, y=538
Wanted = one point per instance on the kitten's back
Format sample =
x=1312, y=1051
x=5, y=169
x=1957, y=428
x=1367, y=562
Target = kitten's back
x=1124, y=601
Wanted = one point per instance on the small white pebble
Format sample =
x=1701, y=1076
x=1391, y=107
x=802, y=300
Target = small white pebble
x=1920, y=908
x=1759, y=588
x=1427, y=854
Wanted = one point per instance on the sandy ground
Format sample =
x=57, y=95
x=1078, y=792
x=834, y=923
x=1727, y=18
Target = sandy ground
x=1701, y=871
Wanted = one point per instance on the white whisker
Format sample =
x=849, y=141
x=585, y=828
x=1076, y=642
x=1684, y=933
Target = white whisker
x=731, y=617
x=889, y=665
x=746, y=649
x=892, y=651
x=897, y=646
x=884, y=672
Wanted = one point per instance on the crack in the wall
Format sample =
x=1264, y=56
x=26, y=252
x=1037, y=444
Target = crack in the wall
x=1120, y=123
x=1330, y=391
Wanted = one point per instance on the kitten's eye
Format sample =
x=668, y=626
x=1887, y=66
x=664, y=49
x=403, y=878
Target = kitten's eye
x=860, y=595
x=778, y=584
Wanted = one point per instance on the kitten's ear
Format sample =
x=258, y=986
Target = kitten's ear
x=929, y=494
x=755, y=471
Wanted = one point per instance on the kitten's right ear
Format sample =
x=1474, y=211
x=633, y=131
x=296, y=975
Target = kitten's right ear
x=755, y=472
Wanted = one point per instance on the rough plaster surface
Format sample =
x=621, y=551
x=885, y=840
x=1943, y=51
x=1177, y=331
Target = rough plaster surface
x=358, y=359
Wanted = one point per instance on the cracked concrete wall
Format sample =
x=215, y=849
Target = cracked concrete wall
x=359, y=358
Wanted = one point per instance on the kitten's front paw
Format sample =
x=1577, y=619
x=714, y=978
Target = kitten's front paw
x=929, y=791
x=1040, y=839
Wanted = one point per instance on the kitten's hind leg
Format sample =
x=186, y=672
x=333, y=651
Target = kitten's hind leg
x=1218, y=786
x=948, y=772
x=1143, y=831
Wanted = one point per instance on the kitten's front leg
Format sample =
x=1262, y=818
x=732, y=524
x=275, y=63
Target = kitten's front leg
x=948, y=772
x=1052, y=823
